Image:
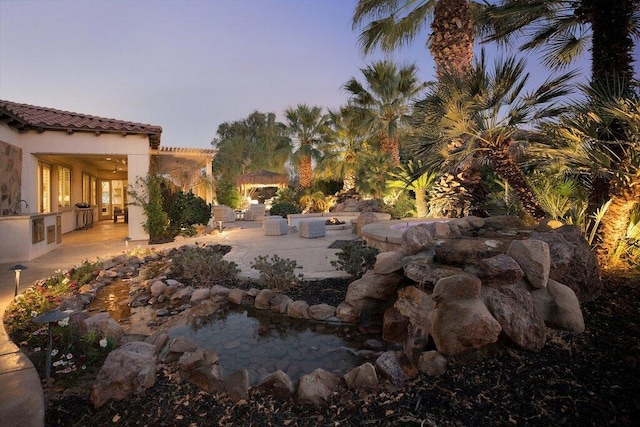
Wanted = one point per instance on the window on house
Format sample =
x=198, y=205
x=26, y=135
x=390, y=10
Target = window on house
x=94, y=191
x=64, y=187
x=44, y=187
x=89, y=189
x=86, y=188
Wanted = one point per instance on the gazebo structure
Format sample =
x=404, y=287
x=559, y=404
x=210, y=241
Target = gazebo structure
x=260, y=179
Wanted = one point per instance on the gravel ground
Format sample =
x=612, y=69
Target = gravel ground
x=577, y=379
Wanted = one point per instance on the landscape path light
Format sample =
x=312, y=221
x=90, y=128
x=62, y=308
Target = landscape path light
x=126, y=242
x=50, y=317
x=17, y=268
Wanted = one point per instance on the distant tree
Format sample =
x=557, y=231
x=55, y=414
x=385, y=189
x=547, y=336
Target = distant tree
x=255, y=143
x=342, y=154
x=308, y=126
x=380, y=106
x=412, y=176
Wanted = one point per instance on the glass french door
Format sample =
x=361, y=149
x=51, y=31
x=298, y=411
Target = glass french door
x=106, y=208
x=113, y=195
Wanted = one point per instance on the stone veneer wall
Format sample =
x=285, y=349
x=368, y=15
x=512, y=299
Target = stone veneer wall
x=10, y=178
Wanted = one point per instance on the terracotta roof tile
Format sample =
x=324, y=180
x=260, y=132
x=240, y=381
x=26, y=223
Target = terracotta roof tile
x=28, y=117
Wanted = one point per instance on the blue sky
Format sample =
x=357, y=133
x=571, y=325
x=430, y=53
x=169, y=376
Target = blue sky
x=186, y=65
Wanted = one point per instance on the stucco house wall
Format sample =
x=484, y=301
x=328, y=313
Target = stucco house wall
x=49, y=144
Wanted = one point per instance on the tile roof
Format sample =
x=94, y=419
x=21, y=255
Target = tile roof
x=30, y=117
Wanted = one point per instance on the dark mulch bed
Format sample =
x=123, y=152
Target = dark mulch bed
x=577, y=379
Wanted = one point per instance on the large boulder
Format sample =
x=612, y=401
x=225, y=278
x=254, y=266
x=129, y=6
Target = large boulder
x=416, y=238
x=362, y=377
x=388, y=262
x=277, y=384
x=298, y=310
x=572, y=261
x=468, y=250
x=460, y=321
x=416, y=305
x=368, y=292
x=432, y=363
x=533, y=257
x=128, y=369
x=321, y=311
x=500, y=270
x=104, y=325
x=316, y=388
x=515, y=312
x=558, y=305
x=396, y=367
x=363, y=219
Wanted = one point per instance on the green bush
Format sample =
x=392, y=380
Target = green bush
x=277, y=273
x=147, y=193
x=356, y=259
x=188, y=210
x=287, y=195
x=227, y=194
x=284, y=209
x=203, y=266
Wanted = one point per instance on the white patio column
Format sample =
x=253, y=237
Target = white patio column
x=138, y=165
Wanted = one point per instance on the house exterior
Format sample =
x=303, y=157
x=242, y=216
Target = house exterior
x=61, y=171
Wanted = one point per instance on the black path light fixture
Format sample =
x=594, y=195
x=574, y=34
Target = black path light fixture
x=17, y=268
x=126, y=242
x=50, y=317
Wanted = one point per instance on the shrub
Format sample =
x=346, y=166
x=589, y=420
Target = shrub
x=147, y=193
x=277, y=273
x=187, y=210
x=355, y=259
x=203, y=266
x=287, y=195
x=227, y=194
x=284, y=209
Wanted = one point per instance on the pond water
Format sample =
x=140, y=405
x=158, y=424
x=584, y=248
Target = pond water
x=263, y=342
x=259, y=340
x=113, y=298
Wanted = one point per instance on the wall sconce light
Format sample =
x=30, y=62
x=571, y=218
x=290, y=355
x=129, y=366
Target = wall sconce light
x=17, y=268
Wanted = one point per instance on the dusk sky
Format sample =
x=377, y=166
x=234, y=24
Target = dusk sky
x=186, y=65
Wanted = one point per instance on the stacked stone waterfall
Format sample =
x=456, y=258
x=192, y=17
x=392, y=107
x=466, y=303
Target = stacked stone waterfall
x=469, y=281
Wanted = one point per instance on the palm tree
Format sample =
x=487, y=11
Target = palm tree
x=411, y=176
x=389, y=24
x=342, y=152
x=562, y=30
x=577, y=151
x=480, y=114
x=308, y=125
x=382, y=106
x=372, y=180
x=393, y=23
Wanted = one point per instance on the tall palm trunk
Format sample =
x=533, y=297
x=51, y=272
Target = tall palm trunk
x=452, y=37
x=391, y=147
x=611, y=63
x=614, y=222
x=305, y=171
x=451, y=45
x=421, y=203
x=349, y=181
x=509, y=170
